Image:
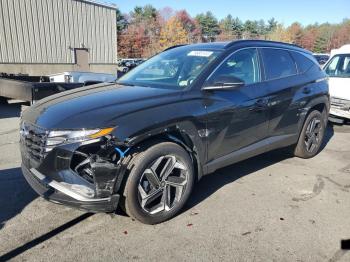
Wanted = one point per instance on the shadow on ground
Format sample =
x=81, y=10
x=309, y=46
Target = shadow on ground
x=328, y=135
x=211, y=183
x=15, y=194
x=11, y=110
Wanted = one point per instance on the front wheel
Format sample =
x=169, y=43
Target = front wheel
x=311, y=136
x=159, y=183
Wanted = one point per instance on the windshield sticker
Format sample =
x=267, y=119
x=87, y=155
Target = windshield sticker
x=200, y=53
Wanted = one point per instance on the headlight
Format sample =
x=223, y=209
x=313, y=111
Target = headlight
x=58, y=137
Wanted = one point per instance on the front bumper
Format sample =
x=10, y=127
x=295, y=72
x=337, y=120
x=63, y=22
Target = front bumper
x=61, y=193
x=340, y=108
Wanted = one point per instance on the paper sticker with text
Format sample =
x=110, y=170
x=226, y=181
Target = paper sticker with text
x=200, y=53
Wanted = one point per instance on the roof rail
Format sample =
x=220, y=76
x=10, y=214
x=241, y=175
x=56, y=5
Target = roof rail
x=262, y=41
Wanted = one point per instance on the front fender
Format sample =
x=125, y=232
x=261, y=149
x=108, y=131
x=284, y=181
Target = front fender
x=184, y=118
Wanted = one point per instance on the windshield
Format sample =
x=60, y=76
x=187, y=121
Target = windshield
x=176, y=68
x=339, y=66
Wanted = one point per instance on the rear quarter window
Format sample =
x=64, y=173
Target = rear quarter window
x=303, y=63
x=278, y=63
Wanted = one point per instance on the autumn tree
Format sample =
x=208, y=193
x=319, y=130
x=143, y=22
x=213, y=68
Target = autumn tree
x=280, y=34
x=146, y=31
x=309, y=37
x=173, y=33
x=295, y=31
x=131, y=41
x=341, y=34
x=190, y=25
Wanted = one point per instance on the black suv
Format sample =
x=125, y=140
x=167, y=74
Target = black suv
x=144, y=141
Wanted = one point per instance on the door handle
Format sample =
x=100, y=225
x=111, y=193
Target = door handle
x=259, y=105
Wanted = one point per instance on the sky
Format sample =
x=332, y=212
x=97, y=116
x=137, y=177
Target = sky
x=303, y=11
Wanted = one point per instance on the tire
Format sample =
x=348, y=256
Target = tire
x=151, y=195
x=311, y=136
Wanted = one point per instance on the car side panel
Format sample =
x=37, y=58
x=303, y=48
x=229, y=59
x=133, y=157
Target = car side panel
x=185, y=117
x=290, y=97
x=287, y=97
x=234, y=120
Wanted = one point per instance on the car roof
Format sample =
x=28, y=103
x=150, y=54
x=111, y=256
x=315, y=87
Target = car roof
x=345, y=49
x=248, y=43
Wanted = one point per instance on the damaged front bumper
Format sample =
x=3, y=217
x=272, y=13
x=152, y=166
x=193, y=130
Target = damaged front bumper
x=86, y=175
x=63, y=193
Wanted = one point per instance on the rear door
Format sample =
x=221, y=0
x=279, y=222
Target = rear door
x=283, y=82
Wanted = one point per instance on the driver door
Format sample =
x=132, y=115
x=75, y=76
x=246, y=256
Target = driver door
x=238, y=117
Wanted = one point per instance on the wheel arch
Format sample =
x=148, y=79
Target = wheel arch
x=320, y=104
x=174, y=135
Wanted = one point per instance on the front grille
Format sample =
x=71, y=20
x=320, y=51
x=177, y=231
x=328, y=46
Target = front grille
x=340, y=103
x=33, y=139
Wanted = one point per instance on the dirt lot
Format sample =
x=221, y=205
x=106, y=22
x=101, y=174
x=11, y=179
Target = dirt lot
x=269, y=208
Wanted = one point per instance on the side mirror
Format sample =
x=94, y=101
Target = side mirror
x=223, y=83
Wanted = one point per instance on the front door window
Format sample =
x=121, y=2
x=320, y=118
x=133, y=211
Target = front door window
x=242, y=65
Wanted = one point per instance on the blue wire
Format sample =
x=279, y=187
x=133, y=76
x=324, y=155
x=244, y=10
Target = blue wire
x=121, y=153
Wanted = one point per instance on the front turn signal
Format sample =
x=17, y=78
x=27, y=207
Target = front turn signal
x=102, y=132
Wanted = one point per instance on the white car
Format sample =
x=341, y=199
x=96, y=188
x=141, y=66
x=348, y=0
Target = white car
x=338, y=70
x=82, y=77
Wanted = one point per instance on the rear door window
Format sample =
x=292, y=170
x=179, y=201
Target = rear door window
x=303, y=63
x=278, y=63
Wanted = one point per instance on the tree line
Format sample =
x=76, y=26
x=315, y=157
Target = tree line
x=146, y=31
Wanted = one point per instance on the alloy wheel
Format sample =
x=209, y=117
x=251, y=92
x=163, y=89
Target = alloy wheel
x=162, y=184
x=312, y=134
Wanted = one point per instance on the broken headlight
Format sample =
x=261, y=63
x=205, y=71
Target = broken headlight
x=58, y=137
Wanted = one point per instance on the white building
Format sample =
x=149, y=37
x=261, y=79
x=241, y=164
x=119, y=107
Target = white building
x=40, y=37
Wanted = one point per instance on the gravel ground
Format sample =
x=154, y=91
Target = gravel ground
x=269, y=208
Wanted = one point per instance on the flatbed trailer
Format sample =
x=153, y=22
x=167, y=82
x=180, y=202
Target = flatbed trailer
x=31, y=89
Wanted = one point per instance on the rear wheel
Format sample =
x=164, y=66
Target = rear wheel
x=159, y=183
x=311, y=136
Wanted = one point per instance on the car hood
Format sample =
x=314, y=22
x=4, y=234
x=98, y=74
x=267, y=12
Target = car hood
x=95, y=106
